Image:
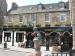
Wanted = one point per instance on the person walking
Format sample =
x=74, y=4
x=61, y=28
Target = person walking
x=47, y=41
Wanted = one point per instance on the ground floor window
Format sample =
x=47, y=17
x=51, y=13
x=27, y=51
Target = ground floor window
x=7, y=37
x=19, y=37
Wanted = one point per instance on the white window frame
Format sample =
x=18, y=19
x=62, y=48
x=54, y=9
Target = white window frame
x=33, y=17
x=50, y=7
x=21, y=23
x=39, y=7
x=21, y=18
x=47, y=14
x=61, y=6
x=64, y=17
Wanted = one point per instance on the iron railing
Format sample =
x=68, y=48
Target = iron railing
x=58, y=54
x=61, y=54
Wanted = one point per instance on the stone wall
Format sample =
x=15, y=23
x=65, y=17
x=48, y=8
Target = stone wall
x=72, y=16
x=54, y=18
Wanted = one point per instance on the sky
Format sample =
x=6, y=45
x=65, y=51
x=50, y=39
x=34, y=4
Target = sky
x=31, y=2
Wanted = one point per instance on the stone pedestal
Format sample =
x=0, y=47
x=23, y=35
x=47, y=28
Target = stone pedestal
x=37, y=47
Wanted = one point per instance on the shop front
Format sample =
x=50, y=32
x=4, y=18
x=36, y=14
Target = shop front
x=57, y=36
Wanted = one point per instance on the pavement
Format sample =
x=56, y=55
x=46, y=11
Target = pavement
x=30, y=50
x=13, y=53
x=14, y=48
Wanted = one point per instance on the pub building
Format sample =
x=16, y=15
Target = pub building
x=54, y=19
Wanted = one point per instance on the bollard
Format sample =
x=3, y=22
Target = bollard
x=5, y=45
x=37, y=47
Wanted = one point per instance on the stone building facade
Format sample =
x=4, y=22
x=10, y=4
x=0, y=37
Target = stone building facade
x=41, y=15
x=56, y=14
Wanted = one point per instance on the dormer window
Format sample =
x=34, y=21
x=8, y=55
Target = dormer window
x=61, y=5
x=40, y=6
x=31, y=8
x=50, y=6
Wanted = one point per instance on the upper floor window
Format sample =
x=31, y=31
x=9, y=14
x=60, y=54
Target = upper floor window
x=62, y=18
x=61, y=5
x=9, y=18
x=33, y=17
x=40, y=6
x=50, y=6
x=20, y=18
x=46, y=16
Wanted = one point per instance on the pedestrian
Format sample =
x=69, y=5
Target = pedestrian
x=47, y=41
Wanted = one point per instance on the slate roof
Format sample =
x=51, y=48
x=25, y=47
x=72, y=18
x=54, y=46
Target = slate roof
x=34, y=8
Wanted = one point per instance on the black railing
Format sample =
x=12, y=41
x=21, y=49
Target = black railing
x=60, y=54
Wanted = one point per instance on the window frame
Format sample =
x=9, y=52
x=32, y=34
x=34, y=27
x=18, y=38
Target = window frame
x=7, y=39
x=47, y=18
x=64, y=16
x=33, y=17
x=21, y=18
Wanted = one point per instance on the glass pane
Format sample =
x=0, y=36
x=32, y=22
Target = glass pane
x=33, y=17
x=46, y=16
x=62, y=18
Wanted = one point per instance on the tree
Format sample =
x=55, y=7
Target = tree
x=3, y=11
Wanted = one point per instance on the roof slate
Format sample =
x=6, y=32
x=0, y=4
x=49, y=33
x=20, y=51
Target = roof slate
x=34, y=8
